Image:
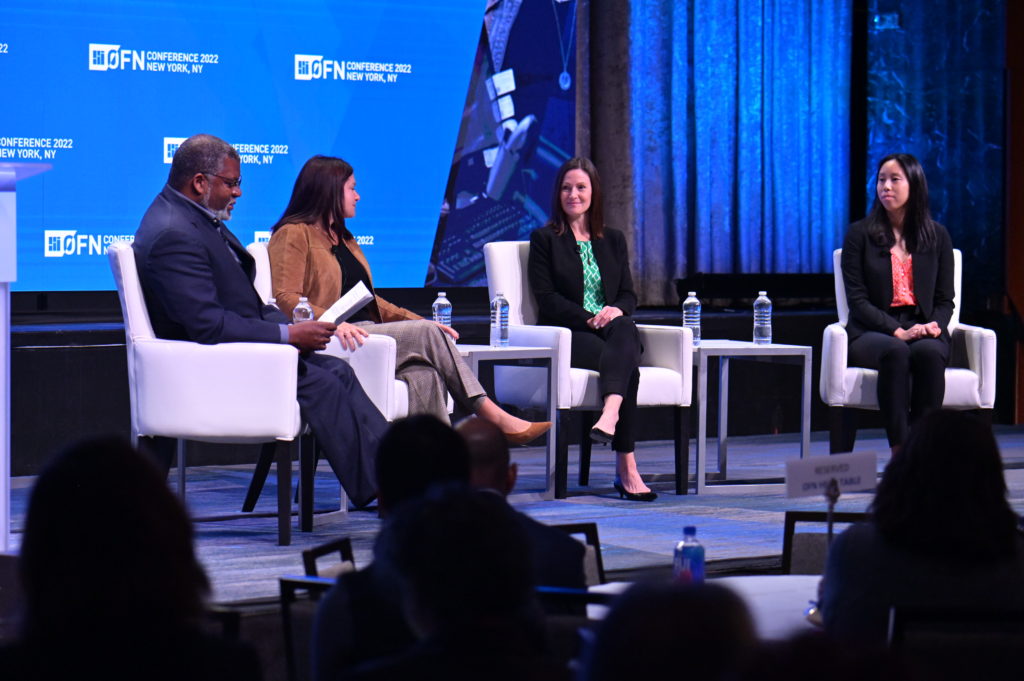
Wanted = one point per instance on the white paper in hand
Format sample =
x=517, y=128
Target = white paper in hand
x=349, y=303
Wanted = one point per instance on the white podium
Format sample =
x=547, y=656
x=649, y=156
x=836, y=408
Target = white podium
x=10, y=175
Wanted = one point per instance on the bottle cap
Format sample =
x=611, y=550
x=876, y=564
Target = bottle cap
x=762, y=293
x=692, y=293
x=690, y=530
x=440, y=294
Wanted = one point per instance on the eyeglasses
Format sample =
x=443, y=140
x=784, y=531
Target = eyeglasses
x=230, y=183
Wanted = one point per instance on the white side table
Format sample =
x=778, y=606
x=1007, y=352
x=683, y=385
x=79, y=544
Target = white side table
x=726, y=350
x=518, y=355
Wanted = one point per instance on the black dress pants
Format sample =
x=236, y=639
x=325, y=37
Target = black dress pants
x=614, y=353
x=347, y=425
x=911, y=377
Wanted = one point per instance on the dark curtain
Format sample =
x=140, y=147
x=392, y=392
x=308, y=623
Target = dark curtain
x=721, y=130
x=935, y=89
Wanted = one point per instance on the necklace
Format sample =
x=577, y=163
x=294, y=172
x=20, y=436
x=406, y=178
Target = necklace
x=564, y=79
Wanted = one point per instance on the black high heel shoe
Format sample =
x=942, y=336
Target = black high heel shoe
x=633, y=496
x=600, y=437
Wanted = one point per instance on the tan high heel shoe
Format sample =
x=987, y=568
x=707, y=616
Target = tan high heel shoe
x=532, y=432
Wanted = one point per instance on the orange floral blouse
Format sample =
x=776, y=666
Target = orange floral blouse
x=903, y=282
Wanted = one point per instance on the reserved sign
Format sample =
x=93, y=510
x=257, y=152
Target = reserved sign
x=810, y=477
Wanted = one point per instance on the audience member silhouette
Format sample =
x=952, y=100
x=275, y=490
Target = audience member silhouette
x=361, y=617
x=557, y=557
x=461, y=560
x=112, y=586
x=942, y=534
x=702, y=631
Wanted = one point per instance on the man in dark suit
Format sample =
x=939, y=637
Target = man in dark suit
x=197, y=279
x=557, y=558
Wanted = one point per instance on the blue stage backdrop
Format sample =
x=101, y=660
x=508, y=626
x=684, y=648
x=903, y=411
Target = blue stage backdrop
x=740, y=134
x=936, y=90
x=104, y=91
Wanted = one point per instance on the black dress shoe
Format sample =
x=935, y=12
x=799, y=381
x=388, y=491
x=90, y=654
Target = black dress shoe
x=633, y=496
x=600, y=437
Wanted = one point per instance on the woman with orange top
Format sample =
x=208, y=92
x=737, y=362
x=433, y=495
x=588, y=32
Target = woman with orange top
x=898, y=269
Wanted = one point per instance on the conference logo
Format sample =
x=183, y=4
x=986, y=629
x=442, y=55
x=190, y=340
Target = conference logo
x=104, y=57
x=107, y=57
x=171, y=145
x=311, y=67
x=58, y=243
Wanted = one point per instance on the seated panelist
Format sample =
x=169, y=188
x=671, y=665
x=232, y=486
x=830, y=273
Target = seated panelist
x=579, y=274
x=197, y=280
x=313, y=254
x=898, y=271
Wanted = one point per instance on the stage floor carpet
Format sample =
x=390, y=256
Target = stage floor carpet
x=740, y=526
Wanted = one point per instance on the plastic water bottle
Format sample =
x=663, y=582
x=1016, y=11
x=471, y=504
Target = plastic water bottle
x=499, y=321
x=762, y=319
x=442, y=308
x=303, y=312
x=273, y=303
x=691, y=316
x=688, y=561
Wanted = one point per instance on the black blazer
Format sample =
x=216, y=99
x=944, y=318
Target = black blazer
x=194, y=287
x=556, y=276
x=867, y=275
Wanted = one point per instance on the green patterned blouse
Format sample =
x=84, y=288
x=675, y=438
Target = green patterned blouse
x=593, y=291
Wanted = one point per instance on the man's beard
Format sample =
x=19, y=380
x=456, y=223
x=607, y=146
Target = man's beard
x=223, y=214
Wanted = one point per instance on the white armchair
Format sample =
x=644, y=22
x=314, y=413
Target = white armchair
x=374, y=363
x=230, y=392
x=665, y=374
x=844, y=388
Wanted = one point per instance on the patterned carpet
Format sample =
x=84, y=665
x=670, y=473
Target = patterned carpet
x=741, y=527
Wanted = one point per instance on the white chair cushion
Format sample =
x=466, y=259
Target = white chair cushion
x=262, y=282
x=506, y=272
x=374, y=366
x=661, y=387
x=962, y=390
x=524, y=386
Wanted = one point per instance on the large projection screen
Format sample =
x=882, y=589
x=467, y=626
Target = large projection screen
x=104, y=91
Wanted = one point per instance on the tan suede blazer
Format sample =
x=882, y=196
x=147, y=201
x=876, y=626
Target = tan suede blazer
x=302, y=264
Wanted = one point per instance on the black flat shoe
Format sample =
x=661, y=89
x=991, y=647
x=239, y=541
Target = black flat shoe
x=631, y=496
x=600, y=437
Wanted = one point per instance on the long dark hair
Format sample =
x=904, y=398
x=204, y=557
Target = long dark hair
x=107, y=546
x=947, y=483
x=318, y=194
x=595, y=216
x=918, y=226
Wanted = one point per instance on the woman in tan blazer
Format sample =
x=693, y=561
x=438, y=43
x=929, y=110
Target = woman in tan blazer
x=313, y=254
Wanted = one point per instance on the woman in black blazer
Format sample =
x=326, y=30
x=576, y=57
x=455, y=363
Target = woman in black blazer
x=579, y=274
x=898, y=270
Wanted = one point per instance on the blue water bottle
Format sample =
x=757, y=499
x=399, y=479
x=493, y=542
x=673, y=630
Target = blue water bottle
x=688, y=562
